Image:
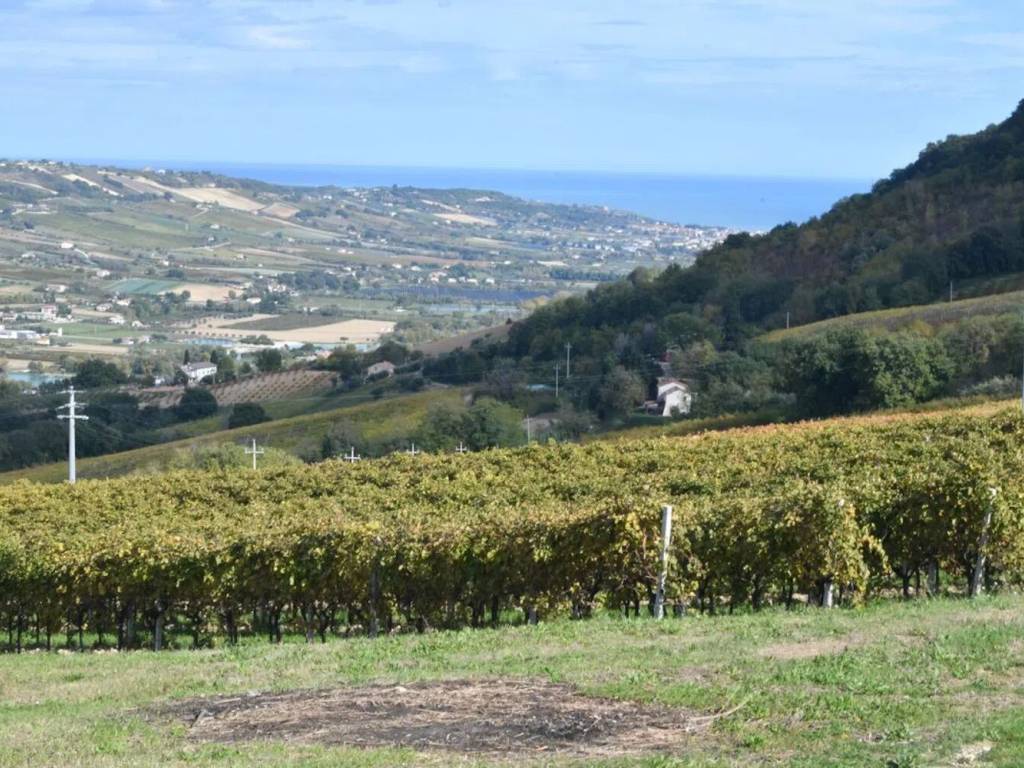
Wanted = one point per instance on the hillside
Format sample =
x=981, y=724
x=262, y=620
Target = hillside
x=884, y=262
x=957, y=213
x=934, y=316
x=383, y=420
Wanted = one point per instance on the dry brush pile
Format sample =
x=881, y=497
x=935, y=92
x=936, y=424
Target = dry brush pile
x=848, y=509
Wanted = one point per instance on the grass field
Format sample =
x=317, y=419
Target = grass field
x=895, y=684
x=901, y=317
x=379, y=419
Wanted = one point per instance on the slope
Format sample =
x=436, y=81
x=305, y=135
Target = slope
x=955, y=214
x=379, y=420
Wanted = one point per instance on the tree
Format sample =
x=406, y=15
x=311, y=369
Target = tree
x=225, y=365
x=246, y=414
x=268, y=360
x=485, y=424
x=846, y=370
x=345, y=360
x=620, y=392
x=490, y=424
x=196, y=403
x=95, y=373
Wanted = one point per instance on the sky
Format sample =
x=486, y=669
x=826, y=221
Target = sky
x=799, y=88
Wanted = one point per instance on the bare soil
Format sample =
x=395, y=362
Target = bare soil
x=517, y=718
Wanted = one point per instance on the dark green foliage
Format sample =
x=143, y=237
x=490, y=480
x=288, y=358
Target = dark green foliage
x=246, y=414
x=847, y=370
x=196, y=403
x=485, y=424
x=95, y=373
x=269, y=360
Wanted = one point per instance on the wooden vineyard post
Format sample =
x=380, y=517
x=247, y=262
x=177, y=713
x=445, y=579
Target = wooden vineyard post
x=666, y=536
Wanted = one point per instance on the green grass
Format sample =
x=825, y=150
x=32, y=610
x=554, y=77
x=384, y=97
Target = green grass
x=890, y=684
x=900, y=317
x=379, y=419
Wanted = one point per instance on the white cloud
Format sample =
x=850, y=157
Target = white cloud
x=275, y=38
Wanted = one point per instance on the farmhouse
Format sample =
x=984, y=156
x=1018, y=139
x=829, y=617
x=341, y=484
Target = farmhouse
x=383, y=369
x=196, y=372
x=674, y=397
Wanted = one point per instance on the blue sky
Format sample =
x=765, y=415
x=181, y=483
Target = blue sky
x=817, y=88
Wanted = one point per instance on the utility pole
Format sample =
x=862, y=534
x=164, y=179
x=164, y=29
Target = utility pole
x=254, y=452
x=462, y=448
x=352, y=458
x=556, y=381
x=529, y=431
x=568, y=354
x=787, y=320
x=71, y=417
x=413, y=451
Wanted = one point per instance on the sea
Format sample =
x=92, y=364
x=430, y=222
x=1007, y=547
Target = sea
x=748, y=203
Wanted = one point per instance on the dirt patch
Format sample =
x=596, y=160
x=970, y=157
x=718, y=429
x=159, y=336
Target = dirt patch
x=471, y=717
x=809, y=649
x=972, y=753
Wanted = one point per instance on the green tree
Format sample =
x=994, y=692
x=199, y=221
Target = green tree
x=196, y=403
x=620, y=392
x=269, y=360
x=246, y=414
x=94, y=373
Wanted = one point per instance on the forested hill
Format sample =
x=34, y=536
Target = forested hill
x=957, y=213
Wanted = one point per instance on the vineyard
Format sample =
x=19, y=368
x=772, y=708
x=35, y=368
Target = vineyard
x=833, y=513
x=267, y=387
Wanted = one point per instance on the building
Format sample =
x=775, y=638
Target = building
x=56, y=288
x=674, y=398
x=382, y=369
x=196, y=372
x=116, y=319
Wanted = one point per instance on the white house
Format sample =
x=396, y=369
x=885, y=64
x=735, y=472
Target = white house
x=674, y=397
x=383, y=367
x=116, y=319
x=196, y=372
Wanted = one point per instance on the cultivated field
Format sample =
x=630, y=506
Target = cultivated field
x=341, y=332
x=267, y=387
x=202, y=292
